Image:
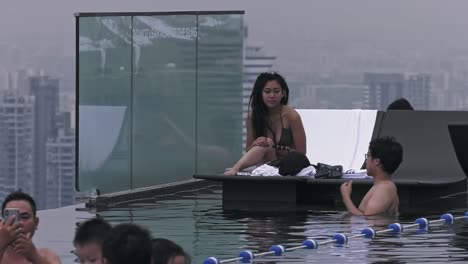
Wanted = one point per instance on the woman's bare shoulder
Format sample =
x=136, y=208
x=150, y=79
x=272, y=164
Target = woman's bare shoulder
x=291, y=113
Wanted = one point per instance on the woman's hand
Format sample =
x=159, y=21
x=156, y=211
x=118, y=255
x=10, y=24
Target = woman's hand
x=262, y=142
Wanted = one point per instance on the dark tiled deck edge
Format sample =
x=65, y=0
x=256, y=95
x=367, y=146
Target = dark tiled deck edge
x=106, y=200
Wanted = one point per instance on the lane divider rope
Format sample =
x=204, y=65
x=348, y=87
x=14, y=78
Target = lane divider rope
x=422, y=224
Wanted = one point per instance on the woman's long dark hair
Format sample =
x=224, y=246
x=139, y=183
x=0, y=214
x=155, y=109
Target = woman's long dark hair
x=260, y=122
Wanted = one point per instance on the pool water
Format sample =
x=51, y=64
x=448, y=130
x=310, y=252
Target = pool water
x=195, y=219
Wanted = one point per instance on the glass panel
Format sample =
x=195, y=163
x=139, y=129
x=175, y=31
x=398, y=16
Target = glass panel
x=155, y=102
x=219, y=92
x=164, y=89
x=104, y=103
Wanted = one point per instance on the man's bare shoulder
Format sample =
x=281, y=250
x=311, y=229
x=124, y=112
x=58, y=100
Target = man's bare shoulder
x=50, y=256
x=386, y=185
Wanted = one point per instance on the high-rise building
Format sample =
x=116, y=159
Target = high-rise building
x=22, y=80
x=384, y=88
x=3, y=79
x=418, y=90
x=256, y=61
x=46, y=95
x=331, y=96
x=61, y=168
x=16, y=142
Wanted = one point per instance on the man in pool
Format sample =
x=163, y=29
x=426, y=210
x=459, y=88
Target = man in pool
x=22, y=249
x=383, y=158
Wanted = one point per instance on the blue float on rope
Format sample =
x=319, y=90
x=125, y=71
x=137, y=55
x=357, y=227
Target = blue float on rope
x=246, y=256
x=448, y=218
x=423, y=223
x=310, y=244
x=396, y=228
x=368, y=232
x=278, y=249
x=211, y=260
x=340, y=238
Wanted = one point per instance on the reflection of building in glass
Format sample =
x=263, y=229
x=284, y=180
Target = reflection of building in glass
x=256, y=61
x=46, y=93
x=174, y=88
x=61, y=168
x=383, y=88
x=16, y=142
x=219, y=64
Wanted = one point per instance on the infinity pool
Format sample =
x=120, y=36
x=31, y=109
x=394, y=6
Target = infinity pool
x=196, y=220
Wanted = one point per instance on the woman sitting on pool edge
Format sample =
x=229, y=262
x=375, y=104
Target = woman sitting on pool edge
x=273, y=128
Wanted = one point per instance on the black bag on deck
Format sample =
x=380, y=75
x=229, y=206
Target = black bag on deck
x=291, y=164
x=328, y=171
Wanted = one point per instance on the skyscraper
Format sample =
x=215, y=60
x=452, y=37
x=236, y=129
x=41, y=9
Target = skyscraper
x=61, y=168
x=16, y=142
x=383, y=88
x=46, y=93
x=418, y=90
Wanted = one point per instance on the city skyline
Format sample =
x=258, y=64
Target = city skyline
x=314, y=42
x=372, y=28
x=323, y=48
x=37, y=141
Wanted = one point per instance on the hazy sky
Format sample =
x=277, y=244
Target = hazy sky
x=287, y=28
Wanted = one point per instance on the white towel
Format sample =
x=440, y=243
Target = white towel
x=355, y=174
x=307, y=172
x=265, y=170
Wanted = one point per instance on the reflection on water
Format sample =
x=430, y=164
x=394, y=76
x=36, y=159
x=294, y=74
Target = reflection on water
x=196, y=221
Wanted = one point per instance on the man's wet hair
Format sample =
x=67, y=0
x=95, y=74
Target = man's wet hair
x=92, y=231
x=389, y=151
x=127, y=243
x=19, y=196
x=164, y=250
